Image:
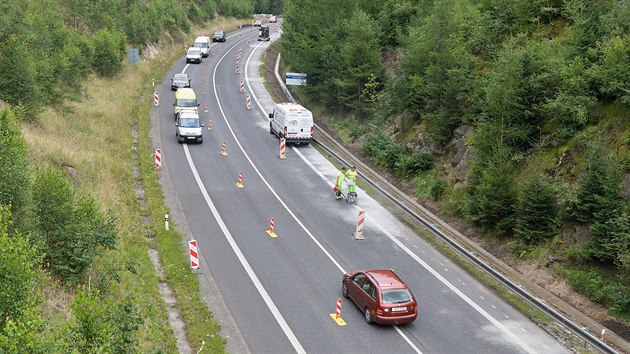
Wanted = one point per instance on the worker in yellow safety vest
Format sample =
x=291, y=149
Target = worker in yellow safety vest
x=352, y=176
x=341, y=175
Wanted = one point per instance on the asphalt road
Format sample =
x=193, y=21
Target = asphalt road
x=278, y=293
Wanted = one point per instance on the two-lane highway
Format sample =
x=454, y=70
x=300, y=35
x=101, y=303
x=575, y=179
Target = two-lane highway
x=281, y=291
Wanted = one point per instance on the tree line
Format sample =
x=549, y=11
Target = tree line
x=535, y=79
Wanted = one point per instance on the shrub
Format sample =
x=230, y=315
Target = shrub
x=409, y=164
x=74, y=230
x=109, y=51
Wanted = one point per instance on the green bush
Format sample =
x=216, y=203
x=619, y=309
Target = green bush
x=73, y=228
x=613, y=292
x=17, y=259
x=109, y=51
x=410, y=164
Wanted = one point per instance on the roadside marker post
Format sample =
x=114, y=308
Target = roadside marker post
x=358, y=234
x=249, y=102
x=223, y=151
x=158, y=159
x=209, y=123
x=337, y=315
x=156, y=99
x=205, y=107
x=242, y=86
x=194, y=255
x=272, y=227
x=166, y=226
x=239, y=182
x=283, y=144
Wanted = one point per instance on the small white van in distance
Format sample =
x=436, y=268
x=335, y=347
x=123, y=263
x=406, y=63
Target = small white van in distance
x=203, y=43
x=292, y=122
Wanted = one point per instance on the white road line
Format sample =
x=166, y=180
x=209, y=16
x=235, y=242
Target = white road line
x=481, y=297
x=494, y=307
x=241, y=257
x=444, y=281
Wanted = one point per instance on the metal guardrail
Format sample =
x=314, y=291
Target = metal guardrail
x=516, y=288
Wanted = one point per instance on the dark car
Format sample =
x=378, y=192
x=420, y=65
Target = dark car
x=180, y=80
x=219, y=36
x=381, y=295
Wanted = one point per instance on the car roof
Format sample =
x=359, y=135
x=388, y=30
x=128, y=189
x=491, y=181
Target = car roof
x=194, y=49
x=386, y=278
x=188, y=113
x=185, y=93
x=180, y=75
x=218, y=31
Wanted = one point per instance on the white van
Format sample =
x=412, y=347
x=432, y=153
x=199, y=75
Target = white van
x=203, y=43
x=292, y=122
x=188, y=126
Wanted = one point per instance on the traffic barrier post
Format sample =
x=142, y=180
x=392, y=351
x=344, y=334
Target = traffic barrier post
x=194, y=255
x=158, y=159
x=272, y=227
x=337, y=315
x=358, y=234
x=239, y=182
x=283, y=145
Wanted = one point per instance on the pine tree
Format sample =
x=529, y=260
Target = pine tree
x=537, y=213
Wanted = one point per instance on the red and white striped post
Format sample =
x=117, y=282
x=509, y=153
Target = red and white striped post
x=272, y=227
x=236, y=69
x=203, y=88
x=337, y=315
x=242, y=86
x=209, y=123
x=249, y=102
x=158, y=159
x=239, y=51
x=156, y=99
x=223, y=151
x=358, y=235
x=194, y=255
x=205, y=107
x=239, y=182
x=283, y=144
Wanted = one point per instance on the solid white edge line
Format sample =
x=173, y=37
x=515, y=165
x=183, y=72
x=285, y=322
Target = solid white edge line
x=437, y=275
x=241, y=257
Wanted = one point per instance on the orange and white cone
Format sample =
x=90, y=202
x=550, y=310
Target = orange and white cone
x=272, y=227
x=205, y=107
x=239, y=182
x=209, y=123
x=223, y=151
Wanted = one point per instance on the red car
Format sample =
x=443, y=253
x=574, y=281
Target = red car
x=381, y=295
